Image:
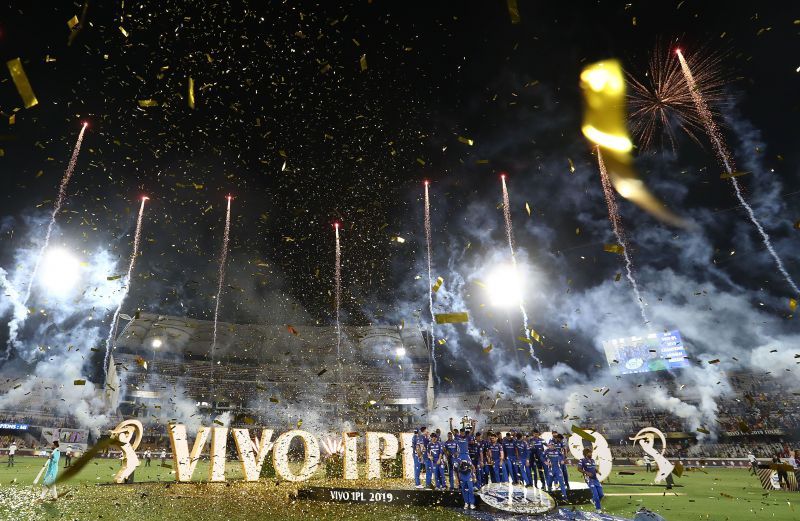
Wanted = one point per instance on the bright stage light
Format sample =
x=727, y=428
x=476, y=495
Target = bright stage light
x=157, y=343
x=505, y=286
x=59, y=272
x=400, y=351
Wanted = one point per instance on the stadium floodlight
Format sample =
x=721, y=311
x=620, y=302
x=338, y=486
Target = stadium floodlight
x=505, y=286
x=157, y=343
x=400, y=352
x=59, y=272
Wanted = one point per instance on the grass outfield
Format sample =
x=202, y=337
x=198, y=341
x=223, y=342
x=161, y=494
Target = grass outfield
x=716, y=494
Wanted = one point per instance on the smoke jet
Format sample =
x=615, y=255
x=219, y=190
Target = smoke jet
x=220, y=280
x=510, y=238
x=724, y=156
x=112, y=332
x=14, y=324
x=428, y=243
x=619, y=232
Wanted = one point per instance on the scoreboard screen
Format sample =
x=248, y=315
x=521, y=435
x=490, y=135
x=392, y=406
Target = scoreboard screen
x=642, y=354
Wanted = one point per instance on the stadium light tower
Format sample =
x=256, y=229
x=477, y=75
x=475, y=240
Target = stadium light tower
x=505, y=286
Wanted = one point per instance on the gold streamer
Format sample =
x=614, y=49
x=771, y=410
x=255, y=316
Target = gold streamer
x=452, y=318
x=191, y=92
x=603, y=87
x=21, y=81
x=513, y=11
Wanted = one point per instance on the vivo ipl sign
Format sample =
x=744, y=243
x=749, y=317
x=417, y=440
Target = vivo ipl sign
x=253, y=452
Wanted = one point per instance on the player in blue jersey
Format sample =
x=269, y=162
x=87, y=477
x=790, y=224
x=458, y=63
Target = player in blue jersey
x=436, y=457
x=562, y=444
x=524, y=450
x=537, y=458
x=510, y=451
x=421, y=450
x=487, y=468
x=588, y=468
x=466, y=475
x=496, y=458
x=450, y=448
x=553, y=457
x=475, y=458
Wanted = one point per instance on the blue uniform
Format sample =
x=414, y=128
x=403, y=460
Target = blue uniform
x=436, y=457
x=474, y=450
x=451, y=447
x=487, y=469
x=537, y=460
x=467, y=487
x=421, y=448
x=524, y=463
x=554, y=457
x=510, y=450
x=463, y=447
x=496, y=452
x=589, y=468
x=561, y=446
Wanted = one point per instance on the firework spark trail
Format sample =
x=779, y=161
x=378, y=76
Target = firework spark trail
x=13, y=325
x=221, y=279
x=428, y=243
x=112, y=332
x=725, y=157
x=661, y=101
x=337, y=276
x=619, y=233
x=510, y=237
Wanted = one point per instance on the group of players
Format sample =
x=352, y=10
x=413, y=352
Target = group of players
x=472, y=461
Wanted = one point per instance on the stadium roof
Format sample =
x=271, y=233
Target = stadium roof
x=188, y=337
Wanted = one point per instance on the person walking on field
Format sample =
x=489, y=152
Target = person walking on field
x=147, y=456
x=12, y=450
x=753, y=463
x=51, y=473
x=648, y=464
x=163, y=457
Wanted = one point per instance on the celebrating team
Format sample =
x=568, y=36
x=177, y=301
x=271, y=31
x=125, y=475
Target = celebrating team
x=471, y=461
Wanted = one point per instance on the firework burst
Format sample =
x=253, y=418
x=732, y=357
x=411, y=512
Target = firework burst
x=660, y=102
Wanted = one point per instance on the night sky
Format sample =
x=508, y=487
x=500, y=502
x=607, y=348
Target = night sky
x=303, y=131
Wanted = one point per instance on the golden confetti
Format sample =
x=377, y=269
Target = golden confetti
x=617, y=277
x=488, y=349
x=363, y=62
x=452, y=318
x=123, y=31
x=571, y=166
x=12, y=119
x=21, y=82
x=604, y=124
x=79, y=382
x=583, y=434
x=114, y=277
x=191, y=92
x=528, y=209
x=728, y=175
x=465, y=140
x=437, y=284
x=513, y=11
x=148, y=103
x=792, y=304
x=72, y=22
x=614, y=248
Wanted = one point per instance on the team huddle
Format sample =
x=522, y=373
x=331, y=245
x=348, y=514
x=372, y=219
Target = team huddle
x=471, y=461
